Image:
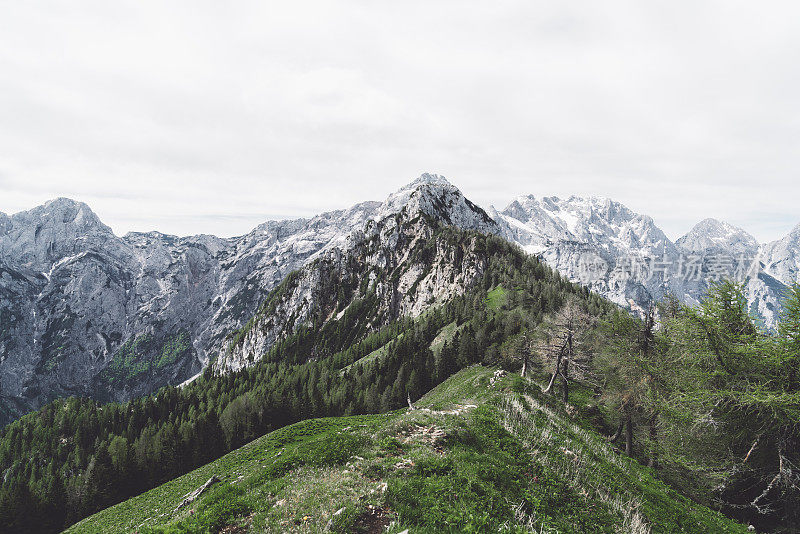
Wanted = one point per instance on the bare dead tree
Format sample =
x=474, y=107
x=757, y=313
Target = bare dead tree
x=564, y=346
x=526, y=351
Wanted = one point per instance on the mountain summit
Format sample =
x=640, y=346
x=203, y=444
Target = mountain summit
x=537, y=224
x=436, y=197
x=712, y=234
x=48, y=233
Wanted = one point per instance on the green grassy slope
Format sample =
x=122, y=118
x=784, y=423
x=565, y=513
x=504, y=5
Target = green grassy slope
x=496, y=298
x=475, y=456
x=446, y=334
x=372, y=357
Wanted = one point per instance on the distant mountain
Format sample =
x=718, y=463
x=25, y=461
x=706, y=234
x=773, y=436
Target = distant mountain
x=85, y=312
x=588, y=239
x=723, y=242
x=625, y=257
x=711, y=234
x=538, y=224
x=781, y=258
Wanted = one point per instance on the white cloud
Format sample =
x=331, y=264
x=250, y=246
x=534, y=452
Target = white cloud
x=202, y=117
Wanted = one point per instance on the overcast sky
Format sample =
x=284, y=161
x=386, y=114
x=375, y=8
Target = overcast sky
x=211, y=117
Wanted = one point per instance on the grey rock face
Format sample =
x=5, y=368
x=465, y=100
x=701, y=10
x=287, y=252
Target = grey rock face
x=85, y=312
x=781, y=258
x=765, y=289
x=595, y=241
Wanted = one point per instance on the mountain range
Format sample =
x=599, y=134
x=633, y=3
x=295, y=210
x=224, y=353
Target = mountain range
x=85, y=312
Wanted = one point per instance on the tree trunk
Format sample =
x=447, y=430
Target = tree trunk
x=653, y=462
x=549, y=387
x=618, y=432
x=565, y=375
x=628, y=433
x=557, y=370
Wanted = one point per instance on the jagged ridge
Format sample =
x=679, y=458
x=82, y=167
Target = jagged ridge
x=72, y=294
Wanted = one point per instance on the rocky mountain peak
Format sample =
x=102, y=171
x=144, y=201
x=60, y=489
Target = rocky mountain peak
x=426, y=185
x=436, y=197
x=711, y=234
x=538, y=223
x=782, y=257
x=39, y=237
x=569, y=210
x=430, y=179
x=69, y=212
x=795, y=234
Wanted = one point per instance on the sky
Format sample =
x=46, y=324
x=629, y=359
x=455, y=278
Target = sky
x=210, y=117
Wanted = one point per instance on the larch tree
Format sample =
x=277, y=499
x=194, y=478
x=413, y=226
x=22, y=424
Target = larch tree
x=737, y=384
x=631, y=369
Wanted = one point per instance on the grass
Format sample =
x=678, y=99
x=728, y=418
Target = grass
x=373, y=356
x=472, y=457
x=496, y=298
x=241, y=468
x=588, y=463
x=445, y=334
x=483, y=481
